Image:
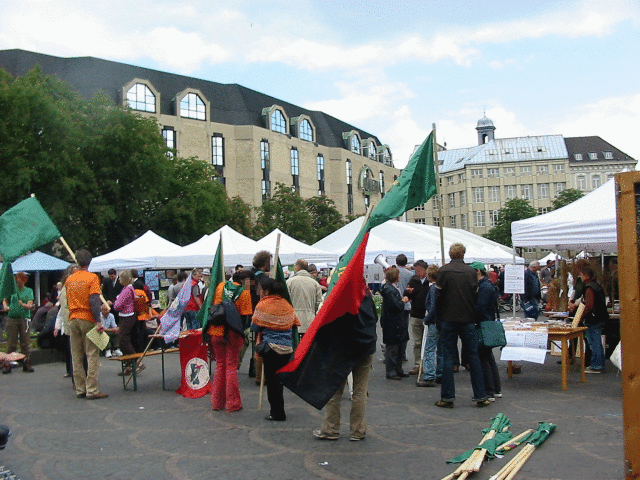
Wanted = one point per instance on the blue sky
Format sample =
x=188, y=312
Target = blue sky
x=391, y=68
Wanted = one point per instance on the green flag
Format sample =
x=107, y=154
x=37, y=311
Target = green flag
x=217, y=276
x=416, y=185
x=25, y=227
x=7, y=282
x=281, y=279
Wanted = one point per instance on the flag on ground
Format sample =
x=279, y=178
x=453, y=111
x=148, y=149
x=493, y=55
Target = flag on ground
x=7, y=282
x=217, y=277
x=343, y=331
x=25, y=227
x=170, y=321
x=195, y=380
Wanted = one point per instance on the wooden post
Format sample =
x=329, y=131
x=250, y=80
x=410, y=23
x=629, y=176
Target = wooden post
x=628, y=200
x=439, y=196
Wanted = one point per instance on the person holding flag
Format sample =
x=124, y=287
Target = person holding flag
x=19, y=312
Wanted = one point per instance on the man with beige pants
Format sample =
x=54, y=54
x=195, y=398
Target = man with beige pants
x=83, y=300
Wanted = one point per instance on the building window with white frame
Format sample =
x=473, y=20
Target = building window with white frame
x=381, y=182
x=577, y=156
x=494, y=194
x=266, y=170
x=295, y=169
x=542, y=169
x=543, y=210
x=450, y=180
x=320, y=171
x=509, y=171
x=452, y=221
x=478, y=194
x=436, y=221
x=511, y=191
x=608, y=155
x=596, y=181
x=436, y=201
x=140, y=97
x=543, y=191
x=371, y=151
x=169, y=136
x=419, y=208
x=558, y=168
x=526, y=170
x=495, y=217
x=278, y=123
x=559, y=187
x=217, y=150
x=593, y=155
x=478, y=218
x=462, y=177
x=476, y=173
x=493, y=172
x=355, y=144
x=526, y=192
x=452, y=200
x=581, y=182
x=463, y=198
x=463, y=221
x=306, y=131
x=192, y=106
x=419, y=221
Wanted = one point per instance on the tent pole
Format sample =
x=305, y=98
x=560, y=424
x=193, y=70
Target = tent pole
x=513, y=295
x=439, y=196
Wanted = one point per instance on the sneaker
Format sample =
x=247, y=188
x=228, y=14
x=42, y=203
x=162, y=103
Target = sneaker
x=443, y=404
x=320, y=435
x=415, y=370
x=107, y=353
x=491, y=398
x=117, y=353
x=483, y=403
x=355, y=438
x=497, y=395
x=592, y=370
x=425, y=383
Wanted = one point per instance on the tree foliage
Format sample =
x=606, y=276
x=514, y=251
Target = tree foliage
x=325, y=218
x=566, y=197
x=240, y=216
x=101, y=171
x=513, y=210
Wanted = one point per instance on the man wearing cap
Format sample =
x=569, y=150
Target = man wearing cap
x=457, y=287
x=19, y=306
x=417, y=293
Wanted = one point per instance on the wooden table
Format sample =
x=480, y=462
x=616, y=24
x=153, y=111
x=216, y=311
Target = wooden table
x=564, y=335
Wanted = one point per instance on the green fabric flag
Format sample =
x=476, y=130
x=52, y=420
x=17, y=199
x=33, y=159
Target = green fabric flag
x=217, y=276
x=7, y=282
x=416, y=185
x=490, y=446
x=539, y=436
x=25, y=227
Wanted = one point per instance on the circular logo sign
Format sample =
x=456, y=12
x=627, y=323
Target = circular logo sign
x=196, y=373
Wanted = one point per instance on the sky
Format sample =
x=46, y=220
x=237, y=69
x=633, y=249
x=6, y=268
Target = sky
x=390, y=68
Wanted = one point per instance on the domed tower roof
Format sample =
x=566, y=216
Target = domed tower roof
x=485, y=130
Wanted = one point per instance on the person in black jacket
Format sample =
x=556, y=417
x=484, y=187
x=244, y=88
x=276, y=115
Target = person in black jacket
x=486, y=312
x=416, y=292
x=393, y=331
x=595, y=317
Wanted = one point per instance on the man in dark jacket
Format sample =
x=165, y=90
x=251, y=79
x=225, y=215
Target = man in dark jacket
x=111, y=288
x=416, y=291
x=532, y=293
x=457, y=287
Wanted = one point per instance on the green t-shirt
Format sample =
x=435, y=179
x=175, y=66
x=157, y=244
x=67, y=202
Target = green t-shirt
x=15, y=309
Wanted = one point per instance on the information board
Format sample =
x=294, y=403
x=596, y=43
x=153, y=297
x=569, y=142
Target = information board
x=513, y=279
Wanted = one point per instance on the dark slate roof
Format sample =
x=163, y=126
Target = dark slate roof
x=231, y=104
x=594, y=144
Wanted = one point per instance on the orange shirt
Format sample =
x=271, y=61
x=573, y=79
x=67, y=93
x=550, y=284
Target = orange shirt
x=243, y=304
x=80, y=286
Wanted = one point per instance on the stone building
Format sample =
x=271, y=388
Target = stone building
x=253, y=140
x=475, y=182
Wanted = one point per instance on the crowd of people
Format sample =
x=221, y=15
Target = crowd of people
x=442, y=307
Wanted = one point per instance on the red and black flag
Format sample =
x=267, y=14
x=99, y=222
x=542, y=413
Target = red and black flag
x=343, y=331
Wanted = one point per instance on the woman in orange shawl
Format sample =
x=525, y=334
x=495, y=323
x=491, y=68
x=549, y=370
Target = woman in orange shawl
x=273, y=319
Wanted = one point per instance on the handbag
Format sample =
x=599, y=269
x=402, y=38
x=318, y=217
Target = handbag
x=492, y=334
x=531, y=309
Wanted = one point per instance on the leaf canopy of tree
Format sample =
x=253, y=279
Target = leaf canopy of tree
x=513, y=210
x=566, y=197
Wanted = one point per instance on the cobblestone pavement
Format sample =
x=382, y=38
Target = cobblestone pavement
x=156, y=434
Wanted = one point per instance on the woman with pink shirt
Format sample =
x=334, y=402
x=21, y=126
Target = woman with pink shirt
x=124, y=304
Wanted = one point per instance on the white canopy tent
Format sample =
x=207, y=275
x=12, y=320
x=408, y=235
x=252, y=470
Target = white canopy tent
x=588, y=224
x=292, y=249
x=138, y=254
x=417, y=242
x=236, y=248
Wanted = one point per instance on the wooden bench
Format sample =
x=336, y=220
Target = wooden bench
x=124, y=359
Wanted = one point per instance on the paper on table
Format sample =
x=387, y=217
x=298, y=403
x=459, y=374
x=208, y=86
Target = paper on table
x=534, y=355
x=100, y=339
x=527, y=338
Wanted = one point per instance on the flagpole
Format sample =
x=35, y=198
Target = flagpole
x=439, y=195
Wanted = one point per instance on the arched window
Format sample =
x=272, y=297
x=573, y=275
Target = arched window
x=278, y=123
x=387, y=157
x=192, y=106
x=372, y=151
x=306, y=131
x=355, y=144
x=140, y=97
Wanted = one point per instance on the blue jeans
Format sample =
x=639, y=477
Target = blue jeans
x=594, y=339
x=449, y=334
x=433, y=360
x=190, y=319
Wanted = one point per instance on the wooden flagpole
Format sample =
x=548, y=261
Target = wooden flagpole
x=439, y=195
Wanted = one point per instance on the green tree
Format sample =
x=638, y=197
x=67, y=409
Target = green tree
x=240, y=216
x=325, y=218
x=566, y=197
x=287, y=211
x=513, y=210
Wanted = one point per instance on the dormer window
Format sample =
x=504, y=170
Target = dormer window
x=140, y=97
x=593, y=156
x=306, y=131
x=355, y=144
x=278, y=123
x=386, y=156
x=352, y=141
x=192, y=106
x=372, y=152
x=608, y=156
x=577, y=156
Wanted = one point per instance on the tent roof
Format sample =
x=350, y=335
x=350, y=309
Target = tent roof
x=417, y=242
x=589, y=224
x=138, y=254
x=292, y=249
x=38, y=262
x=236, y=248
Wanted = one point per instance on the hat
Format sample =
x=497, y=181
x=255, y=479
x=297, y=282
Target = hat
x=206, y=271
x=478, y=266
